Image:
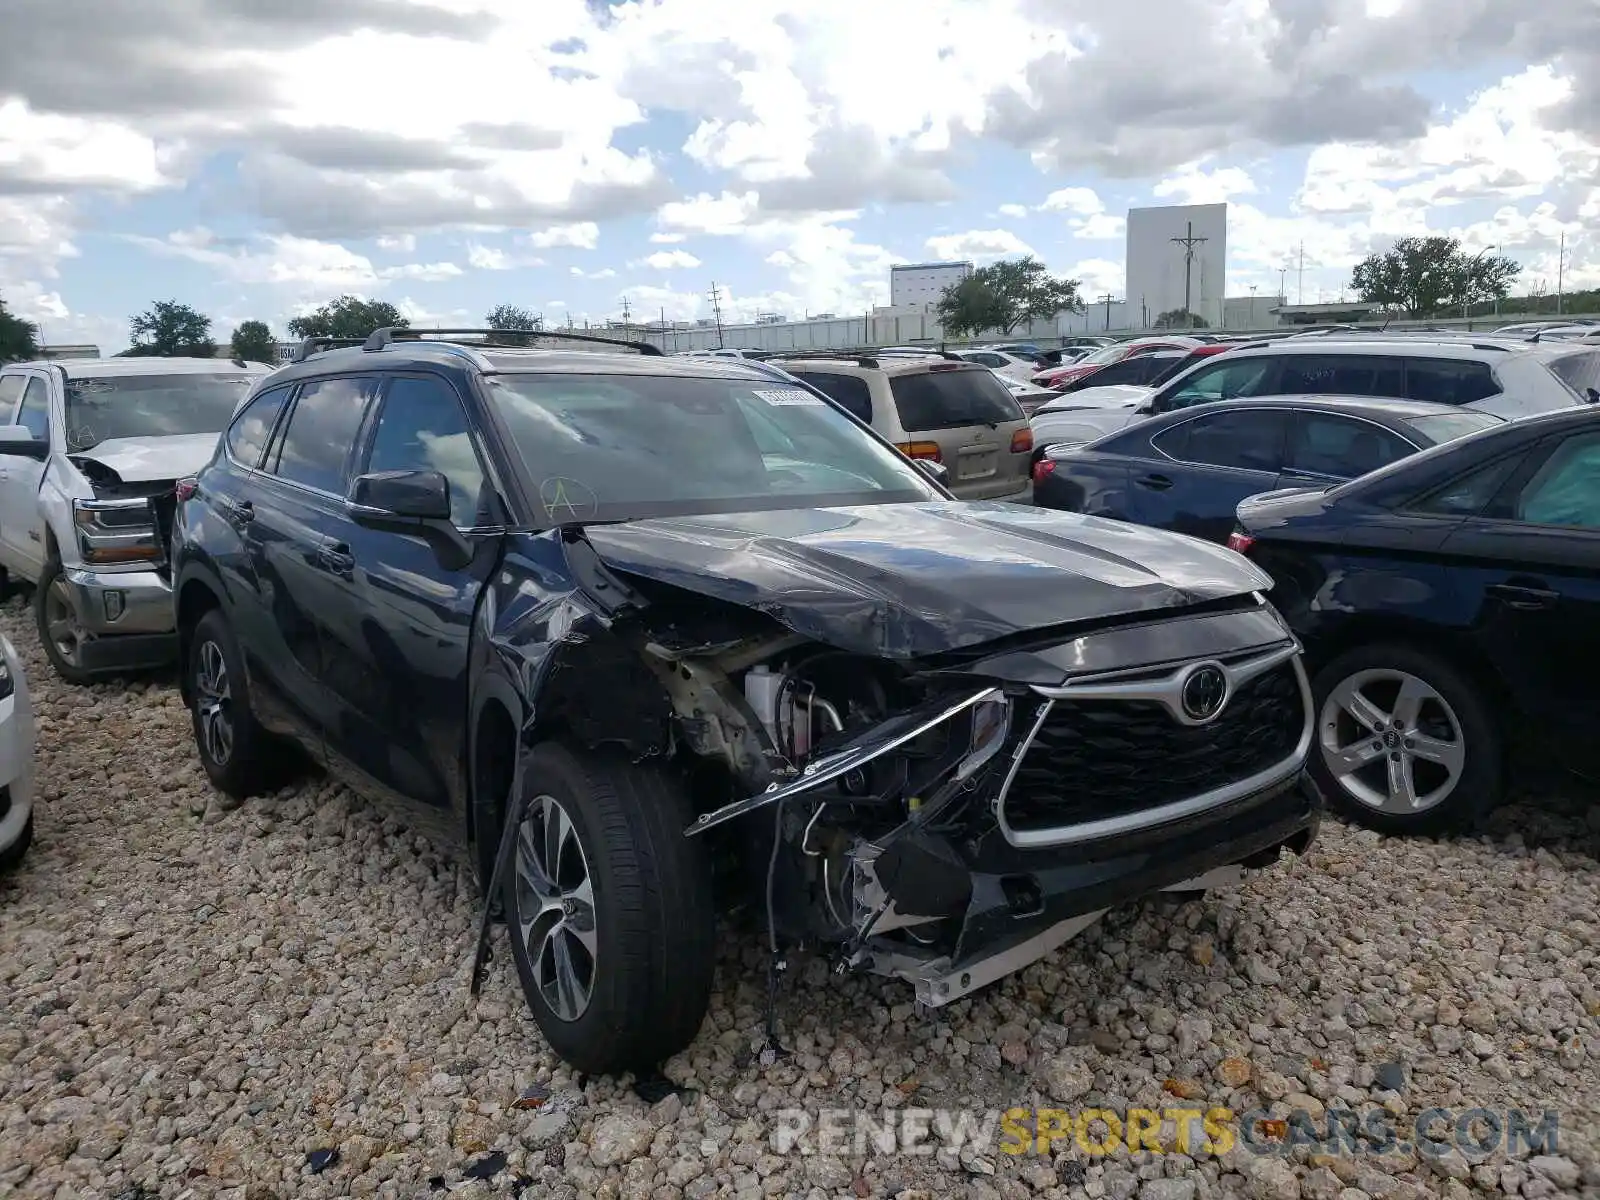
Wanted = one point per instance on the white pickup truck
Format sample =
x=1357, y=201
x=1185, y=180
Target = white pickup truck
x=90, y=452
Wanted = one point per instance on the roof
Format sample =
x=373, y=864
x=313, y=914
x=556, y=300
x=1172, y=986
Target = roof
x=106, y=368
x=1468, y=347
x=1368, y=406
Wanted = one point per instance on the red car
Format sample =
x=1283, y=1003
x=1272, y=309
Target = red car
x=1056, y=377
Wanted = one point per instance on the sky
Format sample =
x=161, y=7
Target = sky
x=256, y=160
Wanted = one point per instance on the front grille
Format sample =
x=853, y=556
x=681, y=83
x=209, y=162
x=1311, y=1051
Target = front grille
x=1094, y=759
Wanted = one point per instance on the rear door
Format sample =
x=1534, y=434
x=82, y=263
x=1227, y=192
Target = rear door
x=966, y=413
x=1327, y=447
x=1200, y=469
x=293, y=514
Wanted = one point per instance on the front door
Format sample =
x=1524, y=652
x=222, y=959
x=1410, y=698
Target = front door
x=296, y=505
x=396, y=643
x=1204, y=467
x=21, y=525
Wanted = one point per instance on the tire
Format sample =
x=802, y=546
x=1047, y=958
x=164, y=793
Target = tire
x=1453, y=755
x=230, y=743
x=650, y=949
x=60, y=632
x=11, y=856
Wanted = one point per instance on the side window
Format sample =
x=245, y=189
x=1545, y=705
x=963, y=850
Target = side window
x=315, y=444
x=247, y=436
x=423, y=427
x=1449, y=380
x=10, y=393
x=1246, y=440
x=1325, y=444
x=1580, y=372
x=851, y=391
x=34, y=415
x=1469, y=494
x=1225, y=381
x=1566, y=490
x=988, y=360
x=1341, y=375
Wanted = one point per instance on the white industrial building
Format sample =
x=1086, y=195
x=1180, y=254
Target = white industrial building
x=1176, y=250
x=919, y=285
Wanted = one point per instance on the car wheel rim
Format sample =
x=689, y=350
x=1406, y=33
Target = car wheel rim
x=1391, y=742
x=62, y=625
x=555, y=908
x=213, y=703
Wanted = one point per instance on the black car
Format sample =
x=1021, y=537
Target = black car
x=1449, y=605
x=633, y=628
x=1188, y=470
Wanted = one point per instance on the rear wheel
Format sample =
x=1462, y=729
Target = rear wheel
x=610, y=911
x=11, y=856
x=230, y=742
x=61, y=632
x=1405, y=742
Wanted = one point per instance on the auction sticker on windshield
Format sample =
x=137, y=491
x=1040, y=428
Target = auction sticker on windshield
x=783, y=396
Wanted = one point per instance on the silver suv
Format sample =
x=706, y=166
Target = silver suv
x=1501, y=376
x=935, y=408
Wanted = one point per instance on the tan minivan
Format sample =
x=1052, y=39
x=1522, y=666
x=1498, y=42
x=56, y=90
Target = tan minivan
x=934, y=407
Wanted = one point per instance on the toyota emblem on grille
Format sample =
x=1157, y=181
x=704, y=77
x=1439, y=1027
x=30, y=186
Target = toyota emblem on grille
x=1204, y=693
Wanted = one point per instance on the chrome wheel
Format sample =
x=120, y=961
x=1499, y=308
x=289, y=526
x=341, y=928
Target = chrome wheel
x=213, y=703
x=555, y=908
x=62, y=624
x=1391, y=741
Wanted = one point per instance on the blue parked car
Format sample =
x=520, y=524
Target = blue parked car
x=1188, y=470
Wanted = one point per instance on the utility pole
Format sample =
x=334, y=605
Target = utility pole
x=1561, y=271
x=1106, y=300
x=1300, y=278
x=1283, y=285
x=1253, y=287
x=1188, y=242
x=716, y=311
x=626, y=314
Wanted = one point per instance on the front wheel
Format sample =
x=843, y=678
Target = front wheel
x=61, y=631
x=1405, y=742
x=609, y=910
x=226, y=735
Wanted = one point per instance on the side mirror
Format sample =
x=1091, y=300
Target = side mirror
x=935, y=471
x=411, y=495
x=19, y=442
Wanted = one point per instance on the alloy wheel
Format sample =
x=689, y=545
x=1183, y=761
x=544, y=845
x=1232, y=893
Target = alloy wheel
x=62, y=624
x=1391, y=741
x=555, y=908
x=213, y=700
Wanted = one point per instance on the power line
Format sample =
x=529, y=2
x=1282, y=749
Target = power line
x=1188, y=243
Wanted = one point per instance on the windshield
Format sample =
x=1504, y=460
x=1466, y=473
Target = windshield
x=628, y=447
x=1106, y=354
x=122, y=406
x=1446, y=427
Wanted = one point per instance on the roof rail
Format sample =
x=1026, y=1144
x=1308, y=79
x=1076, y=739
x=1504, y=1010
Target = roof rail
x=316, y=345
x=382, y=339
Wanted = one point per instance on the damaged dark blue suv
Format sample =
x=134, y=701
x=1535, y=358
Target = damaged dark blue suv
x=639, y=631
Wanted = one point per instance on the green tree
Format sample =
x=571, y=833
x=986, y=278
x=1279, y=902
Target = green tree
x=1004, y=296
x=253, y=342
x=511, y=317
x=172, y=330
x=1178, y=318
x=348, y=317
x=19, y=339
x=1422, y=276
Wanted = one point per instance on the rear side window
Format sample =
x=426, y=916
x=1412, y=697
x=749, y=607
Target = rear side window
x=1449, y=380
x=942, y=399
x=851, y=391
x=1341, y=375
x=1245, y=440
x=34, y=415
x=248, y=435
x=1325, y=444
x=1468, y=494
x=1580, y=372
x=314, y=445
x=1566, y=490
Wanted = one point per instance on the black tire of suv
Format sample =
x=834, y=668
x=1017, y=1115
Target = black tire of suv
x=11, y=856
x=67, y=672
x=1482, y=776
x=244, y=772
x=655, y=924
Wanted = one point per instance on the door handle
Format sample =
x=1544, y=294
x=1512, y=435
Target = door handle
x=336, y=557
x=1524, y=596
x=1156, y=483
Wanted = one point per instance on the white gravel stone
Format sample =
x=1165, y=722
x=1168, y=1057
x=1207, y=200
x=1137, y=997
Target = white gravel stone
x=196, y=995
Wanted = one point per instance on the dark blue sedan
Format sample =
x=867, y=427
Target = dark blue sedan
x=1188, y=470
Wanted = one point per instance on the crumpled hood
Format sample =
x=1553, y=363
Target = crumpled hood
x=147, y=459
x=909, y=580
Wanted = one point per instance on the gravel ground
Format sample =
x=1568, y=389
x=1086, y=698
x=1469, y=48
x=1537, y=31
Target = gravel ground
x=195, y=1001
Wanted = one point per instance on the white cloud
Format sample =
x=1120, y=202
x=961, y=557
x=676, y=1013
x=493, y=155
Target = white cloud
x=487, y=258
x=1079, y=201
x=1014, y=211
x=667, y=260
x=602, y=273
x=667, y=239
x=288, y=261
x=405, y=243
x=1195, y=185
x=979, y=245
x=583, y=235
